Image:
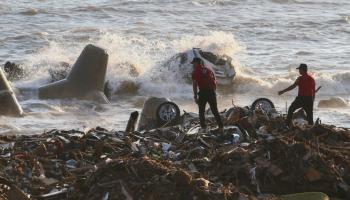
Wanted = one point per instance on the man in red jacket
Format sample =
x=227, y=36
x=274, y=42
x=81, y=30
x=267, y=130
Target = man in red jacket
x=204, y=79
x=306, y=95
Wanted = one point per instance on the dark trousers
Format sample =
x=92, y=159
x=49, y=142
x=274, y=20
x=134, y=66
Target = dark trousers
x=305, y=102
x=205, y=97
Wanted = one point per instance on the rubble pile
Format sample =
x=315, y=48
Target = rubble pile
x=256, y=158
x=143, y=178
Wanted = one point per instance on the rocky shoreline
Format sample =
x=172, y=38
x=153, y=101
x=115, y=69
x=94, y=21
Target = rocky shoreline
x=257, y=158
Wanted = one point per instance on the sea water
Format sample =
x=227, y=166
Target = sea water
x=267, y=40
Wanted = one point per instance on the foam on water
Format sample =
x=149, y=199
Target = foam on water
x=125, y=53
x=148, y=56
x=332, y=84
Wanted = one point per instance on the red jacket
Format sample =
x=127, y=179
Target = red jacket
x=306, y=85
x=205, y=78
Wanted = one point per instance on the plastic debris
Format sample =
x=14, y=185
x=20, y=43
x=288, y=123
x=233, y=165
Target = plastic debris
x=178, y=162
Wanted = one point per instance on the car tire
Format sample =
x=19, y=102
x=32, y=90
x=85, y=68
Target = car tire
x=264, y=103
x=167, y=112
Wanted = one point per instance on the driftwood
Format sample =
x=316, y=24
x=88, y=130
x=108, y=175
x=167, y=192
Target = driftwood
x=130, y=127
x=10, y=190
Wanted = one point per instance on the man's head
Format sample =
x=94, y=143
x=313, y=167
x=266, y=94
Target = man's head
x=197, y=62
x=302, y=68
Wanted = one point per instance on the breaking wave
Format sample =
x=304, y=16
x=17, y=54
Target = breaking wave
x=135, y=62
x=135, y=66
x=332, y=84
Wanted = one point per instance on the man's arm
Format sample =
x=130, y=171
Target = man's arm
x=290, y=87
x=195, y=90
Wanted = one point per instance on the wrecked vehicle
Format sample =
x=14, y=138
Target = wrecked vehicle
x=158, y=112
x=220, y=64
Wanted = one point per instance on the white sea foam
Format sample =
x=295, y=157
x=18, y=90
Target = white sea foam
x=147, y=56
x=332, y=84
x=125, y=53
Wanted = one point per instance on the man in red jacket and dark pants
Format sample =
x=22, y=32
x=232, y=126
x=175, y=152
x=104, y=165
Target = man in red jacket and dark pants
x=204, y=79
x=306, y=95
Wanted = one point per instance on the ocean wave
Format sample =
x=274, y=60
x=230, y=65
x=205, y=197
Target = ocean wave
x=347, y=19
x=89, y=8
x=85, y=30
x=303, y=53
x=22, y=38
x=33, y=11
x=316, y=2
x=332, y=84
x=341, y=20
x=95, y=8
x=136, y=66
x=4, y=8
x=334, y=102
x=215, y=2
x=145, y=56
x=41, y=34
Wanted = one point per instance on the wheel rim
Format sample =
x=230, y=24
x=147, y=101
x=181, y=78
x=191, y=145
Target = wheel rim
x=263, y=105
x=167, y=112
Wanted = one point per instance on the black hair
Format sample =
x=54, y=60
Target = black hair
x=303, y=67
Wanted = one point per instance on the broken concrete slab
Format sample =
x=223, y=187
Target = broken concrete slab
x=86, y=79
x=8, y=101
